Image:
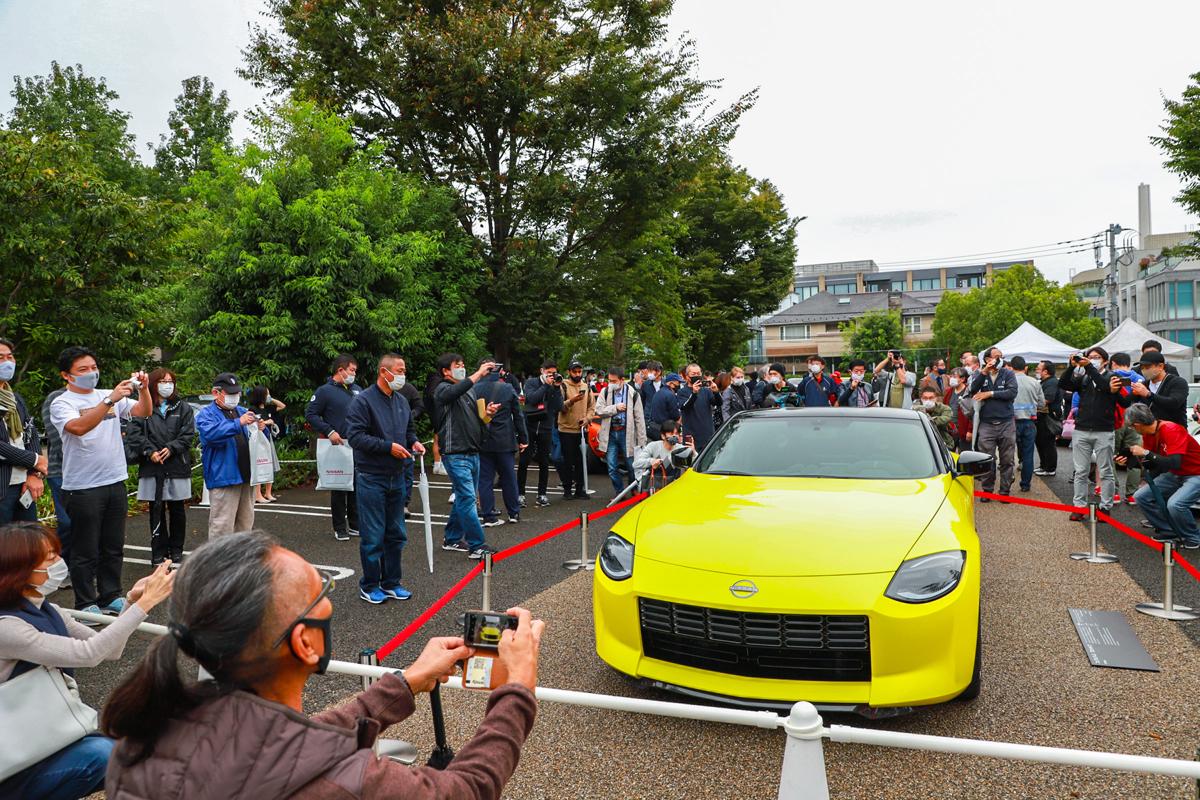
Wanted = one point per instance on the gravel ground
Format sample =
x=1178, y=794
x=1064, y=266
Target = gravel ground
x=1038, y=689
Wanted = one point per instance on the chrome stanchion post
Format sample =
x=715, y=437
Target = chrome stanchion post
x=370, y=658
x=583, y=457
x=1167, y=608
x=1094, y=557
x=487, y=582
x=583, y=562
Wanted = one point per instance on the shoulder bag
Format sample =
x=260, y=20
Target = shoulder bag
x=41, y=716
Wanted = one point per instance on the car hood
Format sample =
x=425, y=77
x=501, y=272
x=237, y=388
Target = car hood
x=797, y=527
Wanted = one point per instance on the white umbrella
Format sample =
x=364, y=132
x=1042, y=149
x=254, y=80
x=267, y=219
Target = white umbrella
x=583, y=445
x=423, y=489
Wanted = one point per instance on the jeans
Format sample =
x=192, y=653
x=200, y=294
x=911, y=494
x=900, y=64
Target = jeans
x=491, y=465
x=1087, y=446
x=98, y=542
x=1047, y=447
x=540, y=444
x=1000, y=437
x=168, y=526
x=463, y=471
x=573, y=463
x=1026, y=436
x=382, y=536
x=73, y=772
x=618, y=459
x=61, y=515
x=11, y=509
x=343, y=510
x=1179, y=493
x=406, y=472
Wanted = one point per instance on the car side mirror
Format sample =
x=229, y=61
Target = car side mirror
x=971, y=462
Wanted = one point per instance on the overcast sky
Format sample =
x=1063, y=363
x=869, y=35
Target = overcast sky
x=904, y=131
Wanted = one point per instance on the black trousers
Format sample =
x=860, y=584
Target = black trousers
x=1047, y=450
x=539, y=447
x=344, y=509
x=97, y=542
x=573, y=466
x=168, y=526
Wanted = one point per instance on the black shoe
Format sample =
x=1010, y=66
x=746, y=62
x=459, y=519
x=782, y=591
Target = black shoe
x=513, y=519
x=456, y=547
x=1026, y=488
x=985, y=499
x=568, y=494
x=491, y=523
x=479, y=552
x=542, y=501
x=1165, y=536
x=341, y=536
x=581, y=496
x=1188, y=545
x=521, y=500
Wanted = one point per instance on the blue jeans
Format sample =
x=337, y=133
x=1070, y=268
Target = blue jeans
x=1026, y=449
x=617, y=458
x=463, y=471
x=1179, y=494
x=73, y=772
x=381, y=530
x=491, y=465
x=60, y=513
x=406, y=470
x=11, y=509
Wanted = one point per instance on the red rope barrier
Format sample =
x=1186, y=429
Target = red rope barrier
x=528, y=543
x=637, y=498
x=1024, y=501
x=1130, y=532
x=411, y=628
x=1185, y=564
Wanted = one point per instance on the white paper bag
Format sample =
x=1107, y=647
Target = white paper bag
x=335, y=467
x=262, y=458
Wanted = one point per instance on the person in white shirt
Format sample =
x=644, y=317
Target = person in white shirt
x=93, y=475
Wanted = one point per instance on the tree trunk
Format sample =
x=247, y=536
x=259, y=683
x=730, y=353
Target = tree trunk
x=618, y=343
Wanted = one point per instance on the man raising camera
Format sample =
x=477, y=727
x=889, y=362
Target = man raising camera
x=894, y=382
x=1172, y=457
x=1099, y=395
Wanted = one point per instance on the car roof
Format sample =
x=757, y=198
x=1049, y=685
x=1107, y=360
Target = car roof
x=868, y=413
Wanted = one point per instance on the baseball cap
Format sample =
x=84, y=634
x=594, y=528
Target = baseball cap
x=674, y=376
x=1152, y=357
x=227, y=382
x=575, y=365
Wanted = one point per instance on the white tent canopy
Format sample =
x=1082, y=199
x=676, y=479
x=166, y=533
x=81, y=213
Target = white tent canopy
x=1128, y=337
x=1029, y=342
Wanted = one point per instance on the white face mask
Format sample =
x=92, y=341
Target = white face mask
x=232, y=400
x=397, y=382
x=739, y=381
x=858, y=376
x=459, y=373
x=651, y=376
x=165, y=390
x=56, y=573
x=815, y=368
x=1096, y=362
x=953, y=382
x=88, y=381
x=928, y=403
x=349, y=379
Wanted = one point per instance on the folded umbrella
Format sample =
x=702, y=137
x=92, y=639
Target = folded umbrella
x=423, y=490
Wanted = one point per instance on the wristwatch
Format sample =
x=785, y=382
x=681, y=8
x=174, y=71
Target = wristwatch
x=108, y=401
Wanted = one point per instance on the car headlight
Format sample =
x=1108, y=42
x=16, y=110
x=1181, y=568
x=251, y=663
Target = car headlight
x=927, y=578
x=616, y=557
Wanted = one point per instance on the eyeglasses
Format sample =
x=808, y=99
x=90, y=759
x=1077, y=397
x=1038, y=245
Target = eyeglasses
x=327, y=585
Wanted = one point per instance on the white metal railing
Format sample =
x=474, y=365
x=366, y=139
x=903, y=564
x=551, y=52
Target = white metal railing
x=803, y=771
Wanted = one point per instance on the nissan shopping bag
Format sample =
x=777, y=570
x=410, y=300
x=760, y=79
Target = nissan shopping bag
x=335, y=467
x=262, y=458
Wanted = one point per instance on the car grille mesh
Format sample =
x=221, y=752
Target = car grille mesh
x=787, y=646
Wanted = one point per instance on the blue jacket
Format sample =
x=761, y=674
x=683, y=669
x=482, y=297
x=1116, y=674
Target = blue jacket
x=219, y=446
x=664, y=406
x=998, y=407
x=542, y=399
x=327, y=408
x=374, y=421
x=697, y=410
x=648, y=391
x=507, y=428
x=816, y=390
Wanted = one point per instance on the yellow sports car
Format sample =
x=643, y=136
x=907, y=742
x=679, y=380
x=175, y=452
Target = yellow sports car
x=827, y=555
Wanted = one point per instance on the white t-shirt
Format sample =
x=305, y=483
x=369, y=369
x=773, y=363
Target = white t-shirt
x=97, y=458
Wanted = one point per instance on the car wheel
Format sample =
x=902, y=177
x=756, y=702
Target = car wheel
x=972, y=690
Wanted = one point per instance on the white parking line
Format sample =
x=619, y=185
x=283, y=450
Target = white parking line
x=338, y=573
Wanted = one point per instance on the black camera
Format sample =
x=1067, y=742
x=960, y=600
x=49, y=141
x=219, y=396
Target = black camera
x=1130, y=459
x=497, y=367
x=557, y=377
x=484, y=628
x=696, y=379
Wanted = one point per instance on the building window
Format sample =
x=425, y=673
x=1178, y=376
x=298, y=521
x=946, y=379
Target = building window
x=912, y=324
x=1186, y=338
x=805, y=292
x=877, y=287
x=1183, y=307
x=926, y=284
x=900, y=285
x=970, y=281
x=793, y=333
x=840, y=288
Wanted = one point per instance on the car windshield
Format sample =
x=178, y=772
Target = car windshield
x=808, y=446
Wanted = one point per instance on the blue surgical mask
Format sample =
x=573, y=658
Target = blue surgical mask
x=88, y=381
x=7, y=370
x=460, y=373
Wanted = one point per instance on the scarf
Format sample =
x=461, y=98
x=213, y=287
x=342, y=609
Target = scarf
x=12, y=416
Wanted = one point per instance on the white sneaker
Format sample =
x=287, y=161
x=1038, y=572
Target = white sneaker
x=438, y=469
x=451, y=500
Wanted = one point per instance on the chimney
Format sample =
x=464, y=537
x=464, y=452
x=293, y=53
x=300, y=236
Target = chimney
x=1144, y=229
x=895, y=301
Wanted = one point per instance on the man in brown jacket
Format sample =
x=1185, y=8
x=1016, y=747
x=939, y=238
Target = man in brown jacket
x=622, y=427
x=256, y=616
x=578, y=406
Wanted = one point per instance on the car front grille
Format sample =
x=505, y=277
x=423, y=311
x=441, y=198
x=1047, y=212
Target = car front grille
x=807, y=647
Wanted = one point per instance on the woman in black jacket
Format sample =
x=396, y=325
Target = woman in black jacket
x=162, y=446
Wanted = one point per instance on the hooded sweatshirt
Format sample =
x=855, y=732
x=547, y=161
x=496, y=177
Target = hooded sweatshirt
x=242, y=747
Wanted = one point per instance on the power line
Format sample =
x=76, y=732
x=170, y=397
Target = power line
x=998, y=253
x=1010, y=258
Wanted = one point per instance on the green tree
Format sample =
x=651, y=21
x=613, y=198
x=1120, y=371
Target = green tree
x=736, y=254
x=1181, y=144
x=77, y=252
x=70, y=104
x=305, y=245
x=535, y=111
x=872, y=334
x=200, y=122
x=984, y=316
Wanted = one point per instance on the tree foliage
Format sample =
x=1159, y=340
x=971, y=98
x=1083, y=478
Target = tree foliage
x=873, y=333
x=984, y=316
x=306, y=246
x=1181, y=144
x=200, y=122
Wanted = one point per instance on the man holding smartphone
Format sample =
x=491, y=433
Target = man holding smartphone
x=22, y=465
x=1099, y=395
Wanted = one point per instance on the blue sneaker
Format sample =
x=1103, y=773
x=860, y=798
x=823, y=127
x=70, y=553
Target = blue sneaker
x=376, y=596
x=114, y=608
x=398, y=593
x=92, y=609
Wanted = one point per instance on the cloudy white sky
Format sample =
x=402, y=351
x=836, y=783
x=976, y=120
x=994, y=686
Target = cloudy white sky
x=904, y=131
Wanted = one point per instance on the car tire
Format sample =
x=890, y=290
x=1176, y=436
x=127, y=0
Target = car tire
x=972, y=690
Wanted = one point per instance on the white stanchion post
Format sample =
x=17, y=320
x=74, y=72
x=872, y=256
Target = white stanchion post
x=1094, y=557
x=583, y=456
x=1167, y=608
x=803, y=776
x=583, y=562
x=369, y=658
x=487, y=582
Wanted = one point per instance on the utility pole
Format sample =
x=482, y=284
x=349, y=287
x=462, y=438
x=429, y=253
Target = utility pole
x=1114, y=310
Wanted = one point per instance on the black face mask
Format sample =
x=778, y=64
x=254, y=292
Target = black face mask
x=324, y=625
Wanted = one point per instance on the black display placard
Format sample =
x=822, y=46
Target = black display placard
x=1108, y=641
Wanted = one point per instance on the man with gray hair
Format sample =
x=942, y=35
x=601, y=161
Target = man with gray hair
x=1172, y=458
